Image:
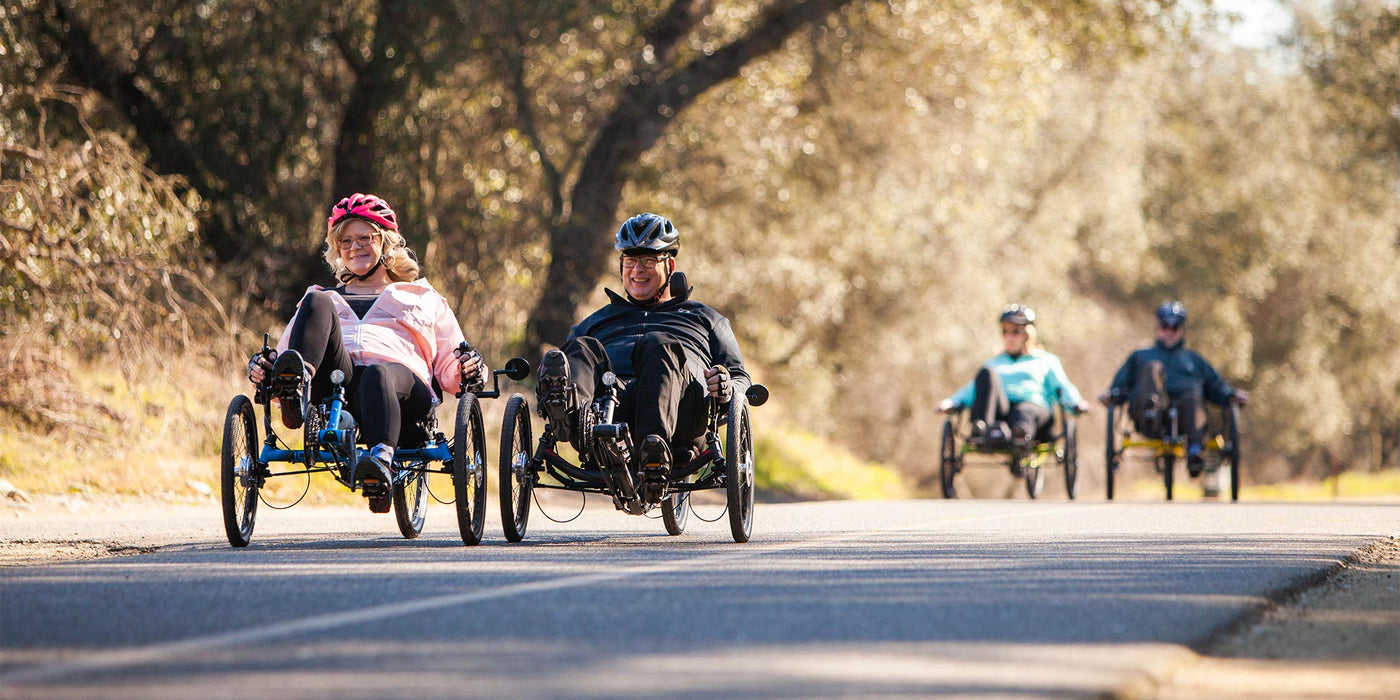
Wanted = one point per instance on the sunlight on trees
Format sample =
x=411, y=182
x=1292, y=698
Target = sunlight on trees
x=861, y=193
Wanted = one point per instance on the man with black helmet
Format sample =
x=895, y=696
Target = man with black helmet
x=1167, y=375
x=672, y=354
x=1016, y=388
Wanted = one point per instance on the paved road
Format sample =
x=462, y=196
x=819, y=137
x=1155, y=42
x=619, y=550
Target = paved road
x=916, y=598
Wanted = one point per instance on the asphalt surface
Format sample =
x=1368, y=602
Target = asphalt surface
x=841, y=599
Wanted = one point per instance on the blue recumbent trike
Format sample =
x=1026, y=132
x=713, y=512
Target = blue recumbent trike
x=331, y=444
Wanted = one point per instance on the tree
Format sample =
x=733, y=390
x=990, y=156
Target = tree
x=664, y=80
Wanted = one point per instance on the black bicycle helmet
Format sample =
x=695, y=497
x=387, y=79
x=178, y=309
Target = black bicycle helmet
x=1171, y=313
x=1019, y=314
x=648, y=234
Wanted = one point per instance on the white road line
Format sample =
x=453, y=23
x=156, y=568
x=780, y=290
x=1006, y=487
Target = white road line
x=180, y=650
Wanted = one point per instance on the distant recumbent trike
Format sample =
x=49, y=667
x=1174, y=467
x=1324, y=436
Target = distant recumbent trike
x=1220, y=448
x=1056, y=444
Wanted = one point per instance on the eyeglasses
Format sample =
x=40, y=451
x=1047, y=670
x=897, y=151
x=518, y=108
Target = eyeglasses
x=1018, y=330
x=647, y=263
x=1173, y=327
x=361, y=241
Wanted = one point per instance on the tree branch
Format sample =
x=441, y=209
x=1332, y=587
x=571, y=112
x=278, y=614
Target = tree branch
x=25, y=152
x=664, y=35
x=774, y=27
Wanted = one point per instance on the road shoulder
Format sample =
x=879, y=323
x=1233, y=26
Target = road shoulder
x=1337, y=639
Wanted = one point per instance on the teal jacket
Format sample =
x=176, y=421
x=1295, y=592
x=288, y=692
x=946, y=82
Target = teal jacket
x=1037, y=377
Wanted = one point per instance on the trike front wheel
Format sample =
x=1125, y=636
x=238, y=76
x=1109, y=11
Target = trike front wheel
x=469, y=469
x=1113, y=450
x=238, y=472
x=1232, y=448
x=1069, y=448
x=948, y=460
x=739, y=471
x=517, y=474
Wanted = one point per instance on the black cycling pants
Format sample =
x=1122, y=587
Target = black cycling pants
x=990, y=404
x=380, y=396
x=666, y=398
x=1150, y=392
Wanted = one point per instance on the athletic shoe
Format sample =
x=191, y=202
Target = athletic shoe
x=371, y=469
x=654, y=464
x=1195, y=462
x=291, y=382
x=555, y=395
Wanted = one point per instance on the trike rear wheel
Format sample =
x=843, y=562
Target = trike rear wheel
x=517, y=474
x=1035, y=479
x=411, y=502
x=238, y=473
x=469, y=469
x=675, y=511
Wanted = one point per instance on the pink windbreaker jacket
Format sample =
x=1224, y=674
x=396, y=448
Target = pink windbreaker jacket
x=410, y=324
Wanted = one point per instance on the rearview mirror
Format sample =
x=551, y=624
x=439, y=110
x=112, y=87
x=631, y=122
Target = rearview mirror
x=757, y=395
x=518, y=368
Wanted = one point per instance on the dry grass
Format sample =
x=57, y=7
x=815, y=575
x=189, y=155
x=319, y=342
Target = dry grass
x=142, y=429
x=150, y=430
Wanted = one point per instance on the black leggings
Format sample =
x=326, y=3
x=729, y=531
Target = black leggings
x=1151, y=390
x=989, y=403
x=381, y=396
x=665, y=398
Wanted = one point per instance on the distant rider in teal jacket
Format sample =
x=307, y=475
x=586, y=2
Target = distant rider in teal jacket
x=1017, y=387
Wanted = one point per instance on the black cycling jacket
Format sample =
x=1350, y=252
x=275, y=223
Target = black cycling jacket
x=1187, y=374
x=704, y=332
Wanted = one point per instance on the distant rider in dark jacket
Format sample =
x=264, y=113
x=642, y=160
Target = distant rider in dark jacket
x=1168, y=375
x=673, y=354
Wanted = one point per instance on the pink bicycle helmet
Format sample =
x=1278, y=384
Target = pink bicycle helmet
x=364, y=206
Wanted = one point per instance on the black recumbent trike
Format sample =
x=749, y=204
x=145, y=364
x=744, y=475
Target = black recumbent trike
x=606, y=464
x=1165, y=443
x=331, y=443
x=1056, y=443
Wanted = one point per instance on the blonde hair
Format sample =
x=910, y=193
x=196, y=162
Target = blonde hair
x=398, y=259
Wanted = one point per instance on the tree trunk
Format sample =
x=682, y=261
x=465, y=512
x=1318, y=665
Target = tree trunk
x=581, y=246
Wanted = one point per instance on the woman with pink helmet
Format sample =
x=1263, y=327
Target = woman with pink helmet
x=384, y=327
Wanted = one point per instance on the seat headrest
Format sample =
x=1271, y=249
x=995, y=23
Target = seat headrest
x=678, y=283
